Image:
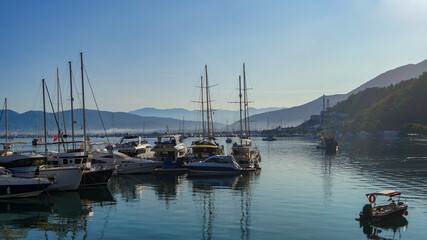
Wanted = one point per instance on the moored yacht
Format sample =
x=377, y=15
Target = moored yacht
x=246, y=155
x=215, y=165
x=63, y=178
x=202, y=149
x=125, y=164
x=169, y=148
x=134, y=146
x=12, y=186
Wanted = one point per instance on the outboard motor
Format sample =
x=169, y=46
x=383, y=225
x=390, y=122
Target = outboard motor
x=366, y=213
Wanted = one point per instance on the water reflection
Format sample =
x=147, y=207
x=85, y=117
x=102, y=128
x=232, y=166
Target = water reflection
x=64, y=214
x=132, y=187
x=327, y=177
x=204, y=192
x=389, y=163
x=377, y=230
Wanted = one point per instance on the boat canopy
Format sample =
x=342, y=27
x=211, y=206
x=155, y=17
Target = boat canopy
x=246, y=140
x=204, y=146
x=388, y=193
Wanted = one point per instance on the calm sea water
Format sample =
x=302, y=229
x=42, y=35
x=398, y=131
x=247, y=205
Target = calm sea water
x=299, y=194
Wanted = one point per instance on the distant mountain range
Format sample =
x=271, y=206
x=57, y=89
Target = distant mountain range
x=31, y=122
x=153, y=119
x=221, y=116
x=296, y=115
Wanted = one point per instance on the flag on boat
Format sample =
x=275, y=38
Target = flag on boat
x=55, y=138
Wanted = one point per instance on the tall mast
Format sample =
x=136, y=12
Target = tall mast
x=44, y=118
x=240, y=104
x=207, y=100
x=248, y=133
x=59, y=122
x=72, y=107
x=203, y=114
x=84, y=111
x=5, y=116
x=245, y=100
x=211, y=114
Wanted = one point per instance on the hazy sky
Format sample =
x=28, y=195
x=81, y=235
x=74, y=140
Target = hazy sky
x=152, y=53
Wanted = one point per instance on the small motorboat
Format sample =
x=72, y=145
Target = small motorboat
x=215, y=165
x=15, y=186
x=269, y=139
x=374, y=212
x=36, y=142
x=228, y=140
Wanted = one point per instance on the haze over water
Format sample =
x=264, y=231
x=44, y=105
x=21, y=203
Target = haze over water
x=299, y=194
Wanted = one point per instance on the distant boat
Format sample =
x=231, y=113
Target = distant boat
x=269, y=138
x=228, y=140
x=37, y=141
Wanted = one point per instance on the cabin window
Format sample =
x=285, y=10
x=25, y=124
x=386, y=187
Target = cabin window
x=78, y=161
x=65, y=161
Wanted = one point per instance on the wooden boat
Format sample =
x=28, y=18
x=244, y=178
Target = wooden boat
x=207, y=146
x=246, y=154
x=374, y=212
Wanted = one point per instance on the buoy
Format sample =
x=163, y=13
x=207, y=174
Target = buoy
x=372, y=198
x=406, y=213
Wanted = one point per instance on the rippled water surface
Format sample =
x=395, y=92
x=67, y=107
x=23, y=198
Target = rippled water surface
x=299, y=194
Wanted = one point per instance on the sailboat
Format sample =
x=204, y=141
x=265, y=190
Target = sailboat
x=205, y=147
x=270, y=137
x=328, y=140
x=63, y=178
x=79, y=157
x=243, y=151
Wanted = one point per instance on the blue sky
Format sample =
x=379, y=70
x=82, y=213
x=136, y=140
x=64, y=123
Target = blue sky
x=152, y=53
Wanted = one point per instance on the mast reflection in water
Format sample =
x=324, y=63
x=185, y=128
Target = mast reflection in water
x=63, y=215
x=204, y=189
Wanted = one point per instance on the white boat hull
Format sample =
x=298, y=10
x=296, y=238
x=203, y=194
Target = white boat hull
x=64, y=178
